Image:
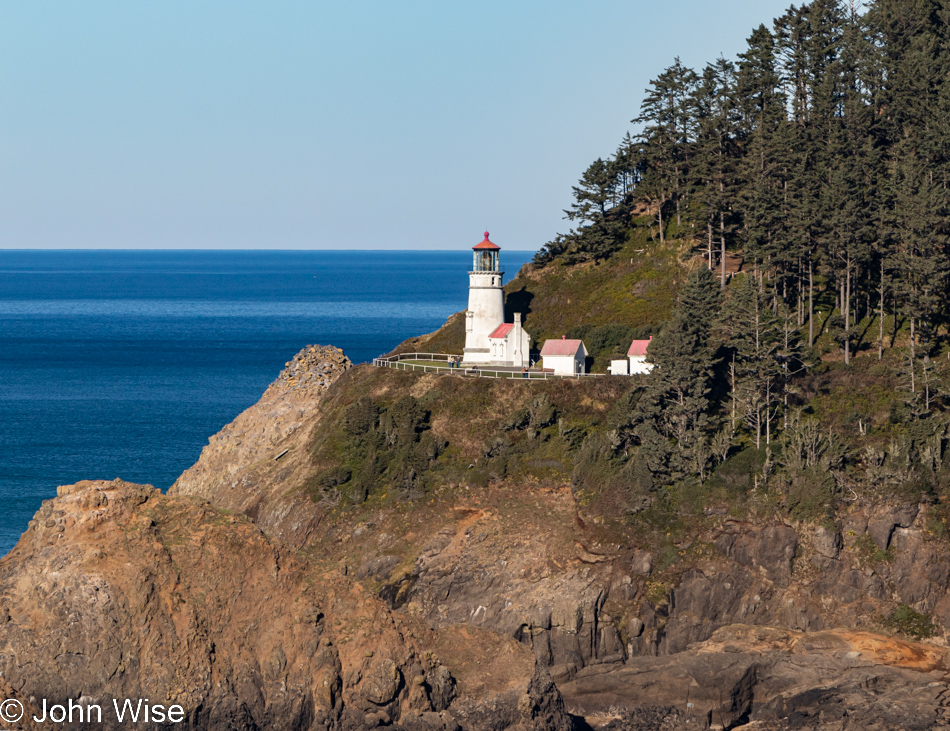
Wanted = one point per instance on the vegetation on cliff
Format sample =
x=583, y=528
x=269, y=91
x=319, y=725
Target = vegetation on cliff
x=394, y=435
x=795, y=203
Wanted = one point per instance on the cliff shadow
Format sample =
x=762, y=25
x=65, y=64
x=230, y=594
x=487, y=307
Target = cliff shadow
x=519, y=301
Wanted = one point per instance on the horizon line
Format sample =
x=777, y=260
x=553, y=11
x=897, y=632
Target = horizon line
x=257, y=250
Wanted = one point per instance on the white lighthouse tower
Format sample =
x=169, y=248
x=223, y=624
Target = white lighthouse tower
x=486, y=302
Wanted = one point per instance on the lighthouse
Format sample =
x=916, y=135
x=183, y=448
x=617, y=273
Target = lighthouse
x=488, y=339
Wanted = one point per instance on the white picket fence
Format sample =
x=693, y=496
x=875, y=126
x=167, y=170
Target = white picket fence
x=398, y=361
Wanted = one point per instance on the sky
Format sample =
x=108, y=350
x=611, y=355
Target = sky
x=398, y=124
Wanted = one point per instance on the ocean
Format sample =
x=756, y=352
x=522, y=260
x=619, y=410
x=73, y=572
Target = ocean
x=123, y=363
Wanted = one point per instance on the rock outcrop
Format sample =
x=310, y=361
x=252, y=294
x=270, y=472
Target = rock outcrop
x=116, y=591
x=262, y=447
x=527, y=563
x=767, y=678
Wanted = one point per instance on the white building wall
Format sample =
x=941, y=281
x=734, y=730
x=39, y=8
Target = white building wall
x=486, y=311
x=639, y=365
x=518, y=345
x=519, y=348
x=619, y=367
x=512, y=350
x=563, y=364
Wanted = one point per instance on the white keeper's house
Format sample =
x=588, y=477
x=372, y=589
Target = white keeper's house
x=489, y=340
x=564, y=357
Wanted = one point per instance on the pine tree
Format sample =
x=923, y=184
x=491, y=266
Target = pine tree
x=714, y=156
x=594, y=197
x=764, y=170
x=756, y=337
x=668, y=120
x=676, y=404
x=913, y=102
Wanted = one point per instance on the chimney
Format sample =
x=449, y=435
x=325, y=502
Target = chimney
x=564, y=337
x=518, y=318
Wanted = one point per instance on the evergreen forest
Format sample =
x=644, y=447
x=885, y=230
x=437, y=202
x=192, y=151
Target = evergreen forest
x=822, y=151
x=805, y=184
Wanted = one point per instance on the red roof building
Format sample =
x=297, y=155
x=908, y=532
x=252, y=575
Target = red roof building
x=639, y=347
x=637, y=356
x=565, y=357
x=562, y=347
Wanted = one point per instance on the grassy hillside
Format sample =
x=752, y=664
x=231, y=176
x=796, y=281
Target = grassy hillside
x=627, y=295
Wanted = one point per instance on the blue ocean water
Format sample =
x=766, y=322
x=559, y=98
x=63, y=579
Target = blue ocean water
x=122, y=363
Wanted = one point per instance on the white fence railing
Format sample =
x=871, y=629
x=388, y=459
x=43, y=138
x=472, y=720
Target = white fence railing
x=453, y=368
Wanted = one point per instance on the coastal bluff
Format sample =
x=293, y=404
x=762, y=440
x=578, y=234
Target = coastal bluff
x=267, y=438
x=256, y=596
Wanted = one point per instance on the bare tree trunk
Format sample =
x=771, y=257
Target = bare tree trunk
x=679, y=221
x=926, y=376
x=880, y=331
x=732, y=378
x=709, y=248
x=811, y=305
x=801, y=295
x=659, y=214
x=722, y=241
x=913, y=359
x=846, y=290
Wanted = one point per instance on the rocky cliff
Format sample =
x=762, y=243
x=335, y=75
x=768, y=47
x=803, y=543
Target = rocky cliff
x=119, y=592
x=261, y=448
x=256, y=601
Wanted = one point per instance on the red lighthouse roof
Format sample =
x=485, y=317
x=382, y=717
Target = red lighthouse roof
x=486, y=245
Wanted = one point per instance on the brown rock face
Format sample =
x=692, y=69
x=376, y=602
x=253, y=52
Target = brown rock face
x=262, y=446
x=119, y=592
x=464, y=607
x=766, y=678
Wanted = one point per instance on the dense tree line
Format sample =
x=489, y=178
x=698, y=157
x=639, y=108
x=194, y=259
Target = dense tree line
x=722, y=406
x=822, y=153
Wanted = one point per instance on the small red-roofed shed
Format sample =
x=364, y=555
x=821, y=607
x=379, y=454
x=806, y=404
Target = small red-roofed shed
x=639, y=347
x=565, y=357
x=637, y=354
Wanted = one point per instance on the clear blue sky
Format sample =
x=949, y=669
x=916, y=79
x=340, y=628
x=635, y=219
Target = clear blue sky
x=292, y=124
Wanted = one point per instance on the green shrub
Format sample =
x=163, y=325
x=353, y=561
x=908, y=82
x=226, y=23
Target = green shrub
x=908, y=622
x=333, y=477
x=811, y=494
x=737, y=474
